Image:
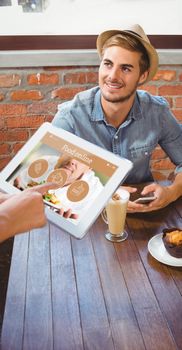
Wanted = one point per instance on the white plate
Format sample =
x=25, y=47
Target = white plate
x=158, y=251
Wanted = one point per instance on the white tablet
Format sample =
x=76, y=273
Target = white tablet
x=86, y=174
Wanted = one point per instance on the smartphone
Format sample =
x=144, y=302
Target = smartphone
x=145, y=200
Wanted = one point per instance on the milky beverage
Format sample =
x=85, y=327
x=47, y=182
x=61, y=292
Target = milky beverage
x=116, y=212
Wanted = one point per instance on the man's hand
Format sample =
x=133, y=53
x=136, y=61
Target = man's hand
x=163, y=194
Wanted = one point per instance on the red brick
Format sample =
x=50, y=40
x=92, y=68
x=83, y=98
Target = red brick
x=167, y=75
x=4, y=162
x=164, y=164
x=26, y=122
x=14, y=135
x=26, y=95
x=1, y=97
x=43, y=79
x=75, y=78
x=180, y=77
x=81, y=78
x=43, y=107
x=169, y=100
x=49, y=118
x=16, y=147
x=150, y=88
x=66, y=93
x=178, y=102
x=4, y=148
x=9, y=80
x=92, y=77
x=32, y=131
x=178, y=113
x=170, y=90
x=2, y=123
x=158, y=153
x=12, y=109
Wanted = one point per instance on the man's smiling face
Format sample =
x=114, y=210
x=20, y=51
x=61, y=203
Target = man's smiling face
x=119, y=74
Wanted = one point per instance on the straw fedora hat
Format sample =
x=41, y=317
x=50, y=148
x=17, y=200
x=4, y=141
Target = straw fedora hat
x=137, y=32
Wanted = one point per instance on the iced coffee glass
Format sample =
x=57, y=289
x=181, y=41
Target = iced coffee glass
x=114, y=215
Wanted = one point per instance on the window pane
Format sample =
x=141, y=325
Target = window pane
x=87, y=17
x=5, y=2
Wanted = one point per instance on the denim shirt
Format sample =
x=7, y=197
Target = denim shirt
x=148, y=124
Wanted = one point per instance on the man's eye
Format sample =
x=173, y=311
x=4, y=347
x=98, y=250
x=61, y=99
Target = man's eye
x=126, y=69
x=108, y=64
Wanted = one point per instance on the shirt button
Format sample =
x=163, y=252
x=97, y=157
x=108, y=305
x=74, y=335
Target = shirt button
x=116, y=137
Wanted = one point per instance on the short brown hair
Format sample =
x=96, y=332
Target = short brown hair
x=129, y=43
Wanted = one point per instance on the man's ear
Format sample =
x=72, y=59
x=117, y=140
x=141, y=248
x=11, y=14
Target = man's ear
x=143, y=78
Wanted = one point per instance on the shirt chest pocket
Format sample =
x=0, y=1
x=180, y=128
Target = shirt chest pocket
x=141, y=153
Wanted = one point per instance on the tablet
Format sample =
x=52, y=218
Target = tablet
x=86, y=174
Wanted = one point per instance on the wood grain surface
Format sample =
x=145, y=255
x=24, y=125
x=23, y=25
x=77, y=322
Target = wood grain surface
x=70, y=294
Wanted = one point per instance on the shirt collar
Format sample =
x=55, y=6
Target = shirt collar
x=135, y=112
x=98, y=115
x=97, y=112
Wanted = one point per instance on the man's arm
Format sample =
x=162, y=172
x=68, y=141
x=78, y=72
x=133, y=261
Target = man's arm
x=176, y=187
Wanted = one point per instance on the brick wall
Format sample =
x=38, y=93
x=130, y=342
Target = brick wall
x=29, y=97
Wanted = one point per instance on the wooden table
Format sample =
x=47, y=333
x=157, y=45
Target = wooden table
x=70, y=294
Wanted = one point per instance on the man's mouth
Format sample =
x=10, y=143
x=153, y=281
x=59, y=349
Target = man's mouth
x=114, y=85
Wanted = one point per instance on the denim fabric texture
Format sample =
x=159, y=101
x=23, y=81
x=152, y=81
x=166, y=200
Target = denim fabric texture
x=149, y=123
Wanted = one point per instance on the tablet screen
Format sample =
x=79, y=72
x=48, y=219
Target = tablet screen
x=80, y=175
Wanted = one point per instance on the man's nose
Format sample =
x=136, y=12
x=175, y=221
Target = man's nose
x=114, y=74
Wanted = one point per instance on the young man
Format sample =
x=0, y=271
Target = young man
x=124, y=120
